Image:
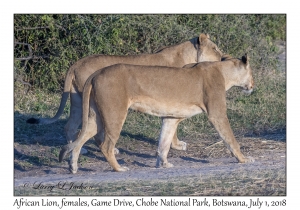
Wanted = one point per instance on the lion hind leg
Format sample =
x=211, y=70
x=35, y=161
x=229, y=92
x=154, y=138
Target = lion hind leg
x=99, y=139
x=76, y=146
x=77, y=149
x=113, y=123
x=74, y=120
x=108, y=150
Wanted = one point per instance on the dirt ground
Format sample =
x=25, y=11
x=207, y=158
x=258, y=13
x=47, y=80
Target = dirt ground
x=201, y=157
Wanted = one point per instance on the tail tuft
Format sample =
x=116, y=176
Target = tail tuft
x=33, y=121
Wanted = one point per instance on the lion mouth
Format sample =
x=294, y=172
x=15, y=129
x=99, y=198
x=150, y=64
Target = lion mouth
x=247, y=91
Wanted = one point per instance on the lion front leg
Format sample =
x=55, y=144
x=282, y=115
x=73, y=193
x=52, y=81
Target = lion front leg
x=168, y=130
x=222, y=126
x=176, y=143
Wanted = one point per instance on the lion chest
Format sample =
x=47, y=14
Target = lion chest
x=165, y=109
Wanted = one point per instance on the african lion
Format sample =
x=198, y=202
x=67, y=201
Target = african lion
x=197, y=49
x=168, y=92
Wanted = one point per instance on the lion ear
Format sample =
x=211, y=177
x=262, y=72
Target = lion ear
x=202, y=38
x=245, y=59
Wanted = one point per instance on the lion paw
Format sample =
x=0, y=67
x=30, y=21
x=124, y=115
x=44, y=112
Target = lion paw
x=73, y=168
x=121, y=169
x=181, y=145
x=167, y=165
x=164, y=165
x=116, y=151
x=247, y=160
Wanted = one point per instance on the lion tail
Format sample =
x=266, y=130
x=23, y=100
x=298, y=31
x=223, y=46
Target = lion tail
x=63, y=101
x=86, y=102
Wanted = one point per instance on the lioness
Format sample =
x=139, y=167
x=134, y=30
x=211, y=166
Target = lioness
x=195, y=50
x=171, y=93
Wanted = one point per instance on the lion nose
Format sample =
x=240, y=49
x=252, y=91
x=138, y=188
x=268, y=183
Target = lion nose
x=251, y=85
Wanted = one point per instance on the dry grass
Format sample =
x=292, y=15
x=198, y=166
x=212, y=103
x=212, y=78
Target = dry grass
x=238, y=183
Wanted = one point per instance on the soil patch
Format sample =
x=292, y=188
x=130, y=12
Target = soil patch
x=202, y=158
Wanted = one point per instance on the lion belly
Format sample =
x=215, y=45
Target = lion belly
x=176, y=110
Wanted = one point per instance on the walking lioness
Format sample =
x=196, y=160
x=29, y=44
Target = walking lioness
x=198, y=49
x=171, y=93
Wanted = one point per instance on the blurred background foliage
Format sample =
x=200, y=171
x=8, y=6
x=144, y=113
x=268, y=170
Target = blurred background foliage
x=46, y=45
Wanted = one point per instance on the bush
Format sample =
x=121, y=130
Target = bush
x=58, y=40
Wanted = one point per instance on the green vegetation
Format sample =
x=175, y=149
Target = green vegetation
x=57, y=41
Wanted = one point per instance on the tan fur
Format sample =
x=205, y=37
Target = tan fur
x=171, y=93
x=196, y=50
